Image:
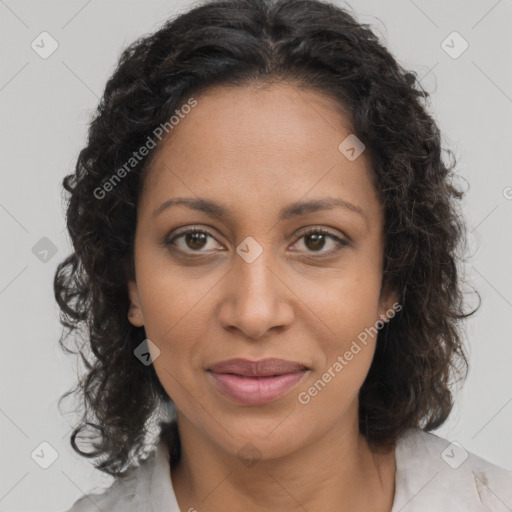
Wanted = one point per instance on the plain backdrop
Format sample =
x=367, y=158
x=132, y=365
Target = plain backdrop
x=46, y=104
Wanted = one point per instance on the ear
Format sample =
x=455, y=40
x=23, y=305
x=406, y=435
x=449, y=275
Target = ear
x=135, y=316
x=389, y=305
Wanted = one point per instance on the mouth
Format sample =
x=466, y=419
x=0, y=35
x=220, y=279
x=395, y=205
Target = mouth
x=256, y=382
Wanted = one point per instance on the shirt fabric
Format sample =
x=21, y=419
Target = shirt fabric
x=432, y=475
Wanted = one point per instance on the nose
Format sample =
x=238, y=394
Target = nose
x=256, y=298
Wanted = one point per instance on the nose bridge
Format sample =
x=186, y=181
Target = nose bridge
x=257, y=297
x=254, y=268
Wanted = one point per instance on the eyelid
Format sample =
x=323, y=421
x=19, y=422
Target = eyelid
x=190, y=229
x=341, y=242
x=321, y=229
x=169, y=241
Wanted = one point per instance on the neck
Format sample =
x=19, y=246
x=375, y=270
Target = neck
x=337, y=471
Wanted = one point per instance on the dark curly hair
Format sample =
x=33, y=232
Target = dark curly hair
x=314, y=45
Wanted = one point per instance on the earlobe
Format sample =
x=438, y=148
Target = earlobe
x=135, y=316
x=390, y=306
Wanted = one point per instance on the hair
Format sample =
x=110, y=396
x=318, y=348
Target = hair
x=313, y=45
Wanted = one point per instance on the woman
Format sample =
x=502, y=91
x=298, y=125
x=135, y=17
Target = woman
x=266, y=248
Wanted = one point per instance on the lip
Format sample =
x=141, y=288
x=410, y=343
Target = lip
x=263, y=368
x=256, y=382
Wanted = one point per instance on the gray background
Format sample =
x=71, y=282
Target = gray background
x=45, y=107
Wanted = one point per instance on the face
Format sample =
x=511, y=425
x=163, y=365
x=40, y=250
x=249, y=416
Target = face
x=255, y=283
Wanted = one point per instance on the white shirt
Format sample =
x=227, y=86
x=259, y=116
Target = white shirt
x=432, y=475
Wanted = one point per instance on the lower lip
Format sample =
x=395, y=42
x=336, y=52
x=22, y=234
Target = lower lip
x=256, y=390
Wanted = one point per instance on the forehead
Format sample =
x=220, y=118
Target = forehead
x=252, y=118
x=259, y=144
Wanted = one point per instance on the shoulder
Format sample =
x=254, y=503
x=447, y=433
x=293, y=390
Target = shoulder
x=125, y=494
x=436, y=474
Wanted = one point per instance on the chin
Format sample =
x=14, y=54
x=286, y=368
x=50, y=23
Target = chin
x=269, y=438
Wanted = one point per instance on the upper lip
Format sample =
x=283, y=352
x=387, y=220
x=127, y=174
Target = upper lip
x=262, y=368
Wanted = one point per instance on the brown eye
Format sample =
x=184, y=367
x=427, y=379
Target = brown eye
x=195, y=240
x=191, y=241
x=316, y=239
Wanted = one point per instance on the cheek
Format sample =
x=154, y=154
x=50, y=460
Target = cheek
x=347, y=300
x=347, y=353
x=178, y=313
x=332, y=393
x=172, y=299
x=348, y=304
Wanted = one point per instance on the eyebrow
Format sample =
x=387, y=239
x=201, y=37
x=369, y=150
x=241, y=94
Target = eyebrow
x=291, y=211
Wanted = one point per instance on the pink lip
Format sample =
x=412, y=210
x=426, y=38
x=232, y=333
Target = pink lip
x=256, y=390
x=256, y=382
x=263, y=368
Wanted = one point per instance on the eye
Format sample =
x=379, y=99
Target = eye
x=315, y=241
x=195, y=239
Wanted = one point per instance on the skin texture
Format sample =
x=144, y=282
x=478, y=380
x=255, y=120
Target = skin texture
x=256, y=150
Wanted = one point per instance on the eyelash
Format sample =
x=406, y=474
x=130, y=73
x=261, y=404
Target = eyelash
x=340, y=242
